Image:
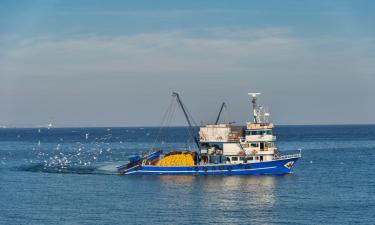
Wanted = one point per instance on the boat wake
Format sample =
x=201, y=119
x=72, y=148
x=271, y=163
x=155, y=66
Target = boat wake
x=96, y=157
x=106, y=169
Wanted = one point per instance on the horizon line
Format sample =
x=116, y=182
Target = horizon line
x=173, y=126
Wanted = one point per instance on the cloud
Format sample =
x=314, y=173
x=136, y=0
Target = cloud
x=319, y=77
x=217, y=52
x=170, y=13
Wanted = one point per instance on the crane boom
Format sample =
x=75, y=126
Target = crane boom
x=221, y=110
x=175, y=94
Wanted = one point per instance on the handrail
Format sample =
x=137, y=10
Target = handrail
x=296, y=155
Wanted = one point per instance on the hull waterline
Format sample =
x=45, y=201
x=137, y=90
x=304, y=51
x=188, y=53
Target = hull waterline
x=275, y=167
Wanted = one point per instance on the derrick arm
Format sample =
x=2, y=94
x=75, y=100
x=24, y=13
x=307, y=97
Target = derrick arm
x=186, y=117
x=221, y=110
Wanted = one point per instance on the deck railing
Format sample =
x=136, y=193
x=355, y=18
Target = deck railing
x=296, y=155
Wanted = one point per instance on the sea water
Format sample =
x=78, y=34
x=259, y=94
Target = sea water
x=68, y=176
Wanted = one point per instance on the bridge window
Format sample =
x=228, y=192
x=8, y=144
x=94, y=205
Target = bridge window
x=259, y=132
x=234, y=158
x=254, y=145
x=270, y=145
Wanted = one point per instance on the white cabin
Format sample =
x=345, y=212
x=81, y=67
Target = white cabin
x=239, y=145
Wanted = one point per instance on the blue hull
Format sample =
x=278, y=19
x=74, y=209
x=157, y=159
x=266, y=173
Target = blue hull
x=281, y=166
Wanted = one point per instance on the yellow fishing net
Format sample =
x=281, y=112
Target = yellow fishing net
x=183, y=159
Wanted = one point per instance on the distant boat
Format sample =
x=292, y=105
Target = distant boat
x=222, y=149
x=50, y=125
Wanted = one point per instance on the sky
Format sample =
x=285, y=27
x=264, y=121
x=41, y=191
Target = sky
x=116, y=63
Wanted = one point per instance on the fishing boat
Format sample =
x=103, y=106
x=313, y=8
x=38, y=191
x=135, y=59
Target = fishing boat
x=221, y=149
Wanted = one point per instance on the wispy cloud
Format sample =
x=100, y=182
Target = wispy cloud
x=213, y=51
x=218, y=51
x=220, y=61
x=160, y=13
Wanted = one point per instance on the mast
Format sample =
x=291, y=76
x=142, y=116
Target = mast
x=221, y=110
x=255, y=106
x=175, y=94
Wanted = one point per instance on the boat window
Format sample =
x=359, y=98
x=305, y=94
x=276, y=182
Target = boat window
x=256, y=158
x=270, y=144
x=261, y=132
x=254, y=145
x=247, y=132
x=234, y=158
x=250, y=158
x=242, y=158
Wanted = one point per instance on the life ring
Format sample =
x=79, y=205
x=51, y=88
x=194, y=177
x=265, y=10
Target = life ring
x=254, y=152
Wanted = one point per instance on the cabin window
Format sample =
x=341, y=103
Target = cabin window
x=250, y=158
x=242, y=158
x=270, y=145
x=254, y=145
x=234, y=158
x=256, y=158
x=259, y=132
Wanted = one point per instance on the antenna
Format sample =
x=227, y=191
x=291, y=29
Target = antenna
x=253, y=94
x=255, y=106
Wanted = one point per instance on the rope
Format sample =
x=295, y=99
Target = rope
x=165, y=121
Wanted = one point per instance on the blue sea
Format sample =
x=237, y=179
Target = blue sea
x=68, y=176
